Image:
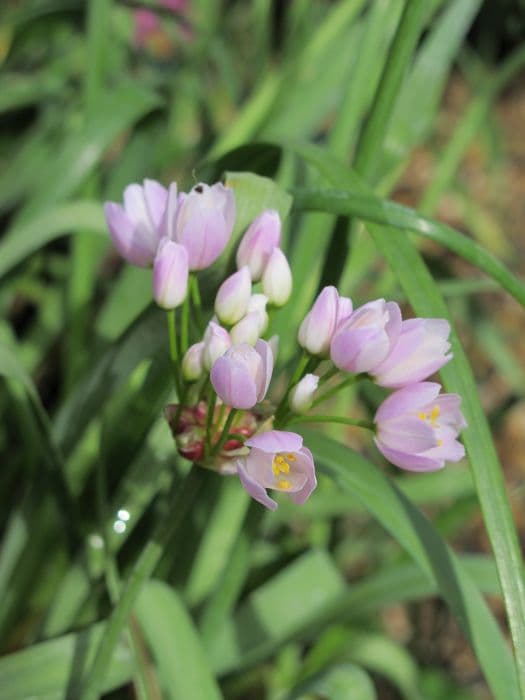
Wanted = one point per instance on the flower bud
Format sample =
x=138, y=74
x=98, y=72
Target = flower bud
x=261, y=237
x=170, y=274
x=233, y=297
x=277, y=278
x=249, y=329
x=204, y=222
x=258, y=302
x=216, y=342
x=192, y=368
x=319, y=325
x=302, y=395
x=242, y=375
x=274, y=345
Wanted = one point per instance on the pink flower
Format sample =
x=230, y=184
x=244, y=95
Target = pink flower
x=242, y=375
x=278, y=461
x=319, y=325
x=420, y=350
x=363, y=341
x=261, y=237
x=135, y=228
x=170, y=274
x=202, y=221
x=216, y=341
x=147, y=24
x=417, y=428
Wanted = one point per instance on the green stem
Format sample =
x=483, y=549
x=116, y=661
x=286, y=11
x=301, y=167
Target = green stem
x=334, y=419
x=174, y=351
x=212, y=399
x=196, y=299
x=304, y=361
x=227, y=425
x=335, y=389
x=185, y=321
x=181, y=498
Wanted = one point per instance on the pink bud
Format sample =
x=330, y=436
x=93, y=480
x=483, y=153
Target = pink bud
x=192, y=368
x=319, y=325
x=302, y=395
x=242, y=375
x=277, y=278
x=233, y=297
x=216, y=342
x=135, y=228
x=261, y=237
x=367, y=337
x=204, y=223
x=170, y=274
x=249, y=328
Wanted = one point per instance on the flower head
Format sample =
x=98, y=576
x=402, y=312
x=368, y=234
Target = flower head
x=363, y=341
x=417, y=427
x=420, y=350
x=277, y=460
x=135, y=228
x=202, y=221
x=242, y=375
x=261, y=237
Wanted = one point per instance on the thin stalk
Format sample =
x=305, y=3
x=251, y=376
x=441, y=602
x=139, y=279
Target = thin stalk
x=196, y=299
x=212, y=399
x=301, y=367
x=185, y=322
x=174, y=350
x=227, y=425
x=335, y=389
x=333, y=419
x=181, y=499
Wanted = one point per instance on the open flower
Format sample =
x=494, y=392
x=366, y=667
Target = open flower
x=417, y=427
x=277, y=460
x=242, y=375
x=261, y=237
x=135, y=228
x=420, y=350
x=202, y=221
x=366, y=337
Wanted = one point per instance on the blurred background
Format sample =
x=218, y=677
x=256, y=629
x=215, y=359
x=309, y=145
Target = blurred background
x=94, y=95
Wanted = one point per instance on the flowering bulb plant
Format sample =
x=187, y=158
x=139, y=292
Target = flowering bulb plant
x=226, y=418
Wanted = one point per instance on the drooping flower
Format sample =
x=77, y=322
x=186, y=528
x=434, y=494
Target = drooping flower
x=242, y=375
x=202, y=221
x=233, y=297
x=261, y=237
x=302, y=395
x=277, y=460
x=170, y=274
x=135, y=228
x=319, y=325
x=363, y=341
x=420, y=350
x=277, y=278
x=417, y=427
x=216, y=341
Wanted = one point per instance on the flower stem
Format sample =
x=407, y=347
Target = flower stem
x=212, y=398
x=369, y=425
x=227, y=425
x=181, y=499
x=174, y=350
x=196, y=299
x=342, y=385
x=305, y=361
x=184, y=342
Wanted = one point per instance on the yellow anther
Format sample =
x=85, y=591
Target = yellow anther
x=422, y=415
x=291, y=458
x=440, y=443
x=283, y=484
x=285, y=468
x=275, y=468
x=279, y=459
x=434, y=414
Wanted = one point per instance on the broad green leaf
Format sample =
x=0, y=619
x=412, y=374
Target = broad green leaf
x=53, y=670
x=24, y=239
x=341, y=682
x=415, y=533
x=276, y=611
x=182, y=667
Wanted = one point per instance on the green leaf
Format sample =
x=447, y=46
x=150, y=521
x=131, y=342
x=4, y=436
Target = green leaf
x=181, y=664
x=24, y=239
x=276, y=611
x=415, y=533
x=341, y=682
x=53, y=670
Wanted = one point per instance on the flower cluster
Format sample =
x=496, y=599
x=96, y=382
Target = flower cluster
x=223, y=418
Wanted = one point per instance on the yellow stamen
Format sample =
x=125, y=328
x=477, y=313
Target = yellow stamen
x=440, y=443
x=422, y=415
x=283, y=484
x=291, y=458
x=434, y=415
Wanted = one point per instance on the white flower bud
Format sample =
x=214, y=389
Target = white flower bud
x=302, y=395
x=277, y=278
x=231, y=302
x=216, y=341
x=249, y=329
x=192, y=368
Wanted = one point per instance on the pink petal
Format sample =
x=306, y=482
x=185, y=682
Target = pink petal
x=409, y=399
x=276, y=441
x=255, y=489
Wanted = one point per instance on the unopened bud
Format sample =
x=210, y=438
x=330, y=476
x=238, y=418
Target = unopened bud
x=192, y=368
x=216, y=341
x=302, y=395
x=231, y=302
x=277, y=278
